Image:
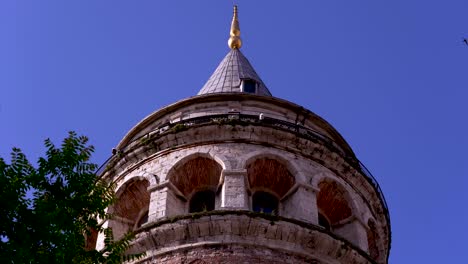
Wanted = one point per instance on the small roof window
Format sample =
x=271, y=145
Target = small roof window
x=249, y=86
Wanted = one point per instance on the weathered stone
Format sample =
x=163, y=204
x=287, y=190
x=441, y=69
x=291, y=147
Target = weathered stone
x=269, y=145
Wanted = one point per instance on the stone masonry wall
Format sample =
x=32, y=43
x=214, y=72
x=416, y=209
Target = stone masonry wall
x=299, y=203
x=227, y=254
x=235, y=147
x=240, y=237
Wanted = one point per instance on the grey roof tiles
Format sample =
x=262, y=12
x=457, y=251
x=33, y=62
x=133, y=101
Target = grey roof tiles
x=231, y=71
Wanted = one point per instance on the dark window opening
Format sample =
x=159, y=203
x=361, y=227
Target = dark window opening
x=323, y=221
x=249, y=86
x=143, y=219
x=202, y=202
x=263, y=202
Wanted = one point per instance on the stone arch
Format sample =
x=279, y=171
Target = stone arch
x=271, y=173
x=133, y=200
x=248, y=158
x=333, y=202
x=188, y=154
x=194, y=172
x=197, y=178
x=348, y=195
x=220, y=159
x=151, y=177
x=124, y=185
x=270, y=179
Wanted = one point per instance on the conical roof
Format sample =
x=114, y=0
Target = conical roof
x=232, y=70
x=235, y=73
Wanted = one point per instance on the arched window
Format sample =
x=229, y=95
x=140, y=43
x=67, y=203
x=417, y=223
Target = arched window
x=335, y=209
x=197, y=178
x=332, y=204
x=264, y=202
x=130, y=208
x=270, y=174
x=202, y=201
x=269, y=179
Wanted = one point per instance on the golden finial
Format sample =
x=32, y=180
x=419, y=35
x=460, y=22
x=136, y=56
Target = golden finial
x=234, y=41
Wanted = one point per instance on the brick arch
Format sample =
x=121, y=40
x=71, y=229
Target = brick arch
x=151, y=177
x=321, y=177
x=124, y=185
x=269, y=173
x=220, y=159
x=333, y=201
x=195, y=172
x=246, y=159
x=132, y=198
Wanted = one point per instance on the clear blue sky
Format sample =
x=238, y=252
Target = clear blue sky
x=391, y=76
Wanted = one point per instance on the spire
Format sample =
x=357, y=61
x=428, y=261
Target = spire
x=235, y=73
x=234, y=41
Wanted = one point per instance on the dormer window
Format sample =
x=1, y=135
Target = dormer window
x=249, y=86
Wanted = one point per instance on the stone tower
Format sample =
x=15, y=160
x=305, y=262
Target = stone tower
x=235, y=175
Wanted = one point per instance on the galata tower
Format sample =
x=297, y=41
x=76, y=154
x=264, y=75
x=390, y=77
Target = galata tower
x=236, y=175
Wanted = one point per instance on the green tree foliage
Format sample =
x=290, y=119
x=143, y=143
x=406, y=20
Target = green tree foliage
x=46, y=213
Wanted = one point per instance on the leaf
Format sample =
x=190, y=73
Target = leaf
x=46, y=212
